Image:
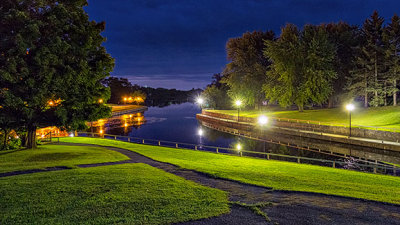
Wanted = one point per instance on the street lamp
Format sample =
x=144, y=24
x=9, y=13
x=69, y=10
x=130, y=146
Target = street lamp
x=200, y=132
x=262, y=121
x=125, y=99
x=350, y=107
x=100, y=101
x=200, y=101
x=238, y=103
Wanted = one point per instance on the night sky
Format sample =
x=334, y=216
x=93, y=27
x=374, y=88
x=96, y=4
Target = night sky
x=181, y=43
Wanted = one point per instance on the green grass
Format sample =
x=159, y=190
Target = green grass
x=118, y=194
x=56, y=155
x=388, y=117
x=276, y=174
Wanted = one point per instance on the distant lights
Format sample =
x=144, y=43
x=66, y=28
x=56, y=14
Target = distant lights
x=239, y=147
x=101, y=131
x=71, y=134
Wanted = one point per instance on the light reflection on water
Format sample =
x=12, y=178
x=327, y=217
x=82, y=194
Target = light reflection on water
x=178, y=123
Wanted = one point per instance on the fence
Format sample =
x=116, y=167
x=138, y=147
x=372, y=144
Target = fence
x=365, y=166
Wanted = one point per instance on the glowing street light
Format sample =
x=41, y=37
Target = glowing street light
x=238, y=103
x=200, y=132
x=262, y=121
x=239, y=147
x=200, y=101
x=100, y=101
x=350, y=107
x=125, y=99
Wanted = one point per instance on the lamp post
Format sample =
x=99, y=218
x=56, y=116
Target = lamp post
x=200, y=101
x=350, y=107
x=238, y=103
x=262, y=121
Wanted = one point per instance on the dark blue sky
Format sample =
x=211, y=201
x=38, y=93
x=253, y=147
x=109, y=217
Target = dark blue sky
x=181, y=43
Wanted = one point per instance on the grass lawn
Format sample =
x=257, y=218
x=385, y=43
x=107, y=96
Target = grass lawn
x=56, y=155
x=118, y=194
x=275, y=174
x=381, y=117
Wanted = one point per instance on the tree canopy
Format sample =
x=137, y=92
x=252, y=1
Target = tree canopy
x=51, y=64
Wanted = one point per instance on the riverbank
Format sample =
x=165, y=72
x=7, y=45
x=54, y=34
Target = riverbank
x=118, y=110
x=359, y=136
x=376, y=118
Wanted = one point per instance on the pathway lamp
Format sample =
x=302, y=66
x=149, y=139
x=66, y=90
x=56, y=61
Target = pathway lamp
x=125, y=99
x=100, y=101
x=238, y=103
x=350, y=107
x=200, y=101
x=200, y=132
x=262, y=121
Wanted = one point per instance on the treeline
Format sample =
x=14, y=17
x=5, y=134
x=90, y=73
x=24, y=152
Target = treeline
x=121, y=87
x=324, y=65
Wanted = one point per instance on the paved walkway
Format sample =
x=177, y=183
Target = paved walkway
x=281, y=207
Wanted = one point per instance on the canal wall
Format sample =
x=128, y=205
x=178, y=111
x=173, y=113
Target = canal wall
x=248, y=127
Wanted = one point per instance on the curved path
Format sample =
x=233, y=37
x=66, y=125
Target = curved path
x=281, y=207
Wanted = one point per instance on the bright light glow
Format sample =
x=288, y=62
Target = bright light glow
x=125, y=124
x=100, y=101
x=262, y=120
x=71, y=134
x=350, y=107
x=125, y=98
x=239, y=147
x=238, y=103
x=200, y=100
x=17, y=137
x=130, y=116
x=51, y=103
x=42, y=136
x=101, y=131
x=200, y=132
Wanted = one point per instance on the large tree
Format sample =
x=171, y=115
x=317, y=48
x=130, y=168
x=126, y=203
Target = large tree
x=368, y=76
x=302, y=66
x=51, y=63
x=245, y=74
x=391, y=37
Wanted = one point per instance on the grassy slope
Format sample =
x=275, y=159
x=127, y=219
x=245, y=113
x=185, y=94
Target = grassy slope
x=56, y=155
x=275, y=174
x=123, y=194
x=381, y=117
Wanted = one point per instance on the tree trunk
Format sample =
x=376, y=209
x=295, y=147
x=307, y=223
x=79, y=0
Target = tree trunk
x=5, y=139
x=31, y=137
x=366, y=99
x=301, y=108
x=330, y=102
x=394, y=93
x=376, y=81
x=385, y=97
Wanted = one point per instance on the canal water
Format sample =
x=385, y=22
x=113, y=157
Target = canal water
x=178, y=123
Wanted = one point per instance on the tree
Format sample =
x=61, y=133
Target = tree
x=216, y=93
x=391, y=38
x=139, y=96
x=245, y=74
x=120, y=88
x=51, y=64
x=302, y=66
x=367, y=76
x=345, y=38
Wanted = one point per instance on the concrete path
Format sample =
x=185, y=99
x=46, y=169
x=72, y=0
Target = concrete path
x=281, y=207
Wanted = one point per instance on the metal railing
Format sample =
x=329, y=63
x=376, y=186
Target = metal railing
x=365, y=166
